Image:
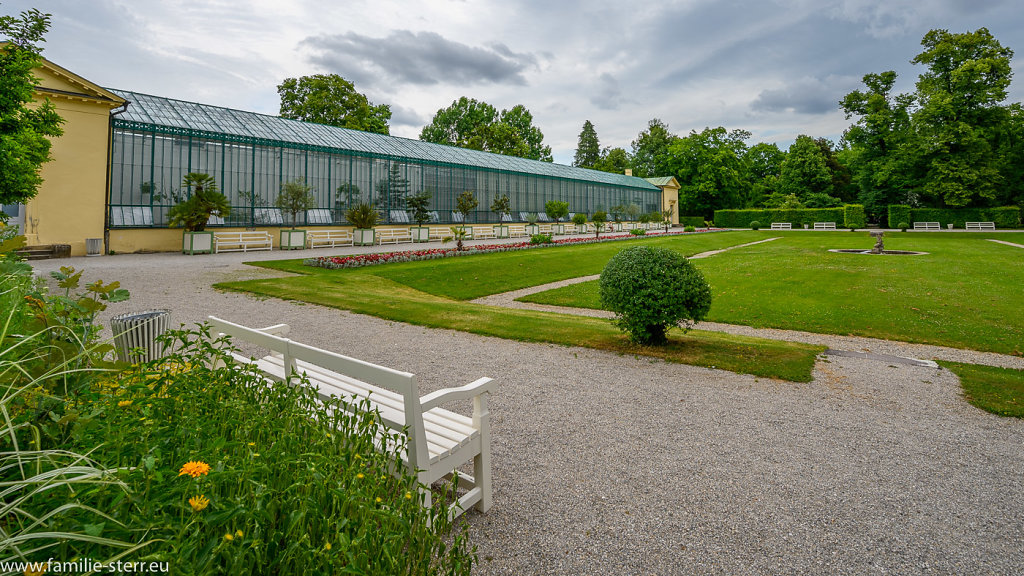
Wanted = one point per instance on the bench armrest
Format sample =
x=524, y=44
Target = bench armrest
x=471, y=390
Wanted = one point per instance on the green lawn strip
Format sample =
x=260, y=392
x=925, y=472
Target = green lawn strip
x=965, y=293
x=370, y=294
x=469, y=277
x=996, y=390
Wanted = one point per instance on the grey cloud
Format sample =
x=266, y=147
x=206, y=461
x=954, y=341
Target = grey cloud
x=403, y=116
x=608, y=95
x=805, y=96
x=418, y=58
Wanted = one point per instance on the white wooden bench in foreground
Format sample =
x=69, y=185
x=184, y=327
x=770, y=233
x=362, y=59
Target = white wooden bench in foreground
x=393, y=235
x=439, y=441
x=927, y=226
x=242, y=241
x=781, y=226
x=824, y=225
x=980, y=225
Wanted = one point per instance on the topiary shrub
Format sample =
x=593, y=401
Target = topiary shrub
x=541, y=239
x=689, y=229
x=755, y=225
x=637, y=232
x=651, y=289
x=903, y=226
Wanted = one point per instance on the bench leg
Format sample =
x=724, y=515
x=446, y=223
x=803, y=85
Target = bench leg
x=482, y=461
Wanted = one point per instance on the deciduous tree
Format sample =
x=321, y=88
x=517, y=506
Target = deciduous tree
x=332, y=100
x=650, y=155
x=469, y=123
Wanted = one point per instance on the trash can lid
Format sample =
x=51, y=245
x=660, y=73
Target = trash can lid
x=144, y=315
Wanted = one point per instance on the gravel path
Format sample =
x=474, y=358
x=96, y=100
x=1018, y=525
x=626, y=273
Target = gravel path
x=1007, y=243
x=609, y=464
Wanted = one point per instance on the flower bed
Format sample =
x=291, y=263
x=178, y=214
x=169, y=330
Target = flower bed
x=360, y=260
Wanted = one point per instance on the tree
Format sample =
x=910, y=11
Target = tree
x=24, y=132
x=502, y=206
x=556, y=209
x=650, y=150
x=588, y=149
x=418, y=206
x=841, y=177
x=295, y=197
x=883, y=146
x=960, y=94
x=332, y=100
x=194, y=212
x=465, y=204
x=614, y=160
x=710, y=169
x=804, y=171
x=764, y=165
x=469, y=123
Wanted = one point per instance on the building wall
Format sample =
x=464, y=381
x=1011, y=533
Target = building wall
x=70, y=205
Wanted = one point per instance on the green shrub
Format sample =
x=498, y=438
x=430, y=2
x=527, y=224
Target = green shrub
x=1004, y=217
x=362, y=215
x=854, y=217
x=689, y=229
x=755, y=225
x=903, y=226
x=695, y=221
x=795, y=216
x=541, y=239
x=579, y=219
x=651, y=289
x=637, y=232
x=898, y=213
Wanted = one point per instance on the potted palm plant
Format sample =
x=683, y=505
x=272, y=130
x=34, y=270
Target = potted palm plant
x=295, y=197
x=502, y=206
x=556, y=210
x=364, y=218
x=193, y=212
x=531, y=224
x=417, y=206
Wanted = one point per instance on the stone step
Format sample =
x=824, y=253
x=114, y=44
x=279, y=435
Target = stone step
x=45, y=252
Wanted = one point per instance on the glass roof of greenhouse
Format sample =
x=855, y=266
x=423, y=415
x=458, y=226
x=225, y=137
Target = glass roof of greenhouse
x=183, y=116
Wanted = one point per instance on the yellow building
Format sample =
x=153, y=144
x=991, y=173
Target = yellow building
x=71, y=204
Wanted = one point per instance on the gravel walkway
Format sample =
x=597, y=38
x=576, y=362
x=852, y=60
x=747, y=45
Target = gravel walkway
x=609, y=464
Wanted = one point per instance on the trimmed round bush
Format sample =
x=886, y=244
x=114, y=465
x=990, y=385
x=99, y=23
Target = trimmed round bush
x=903, y=226
x=689, y=229
x=755, y=225
x=652, y=289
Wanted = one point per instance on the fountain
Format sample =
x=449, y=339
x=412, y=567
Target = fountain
x=879, y=247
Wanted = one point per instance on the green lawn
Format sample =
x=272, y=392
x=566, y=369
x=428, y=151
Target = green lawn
x=996, y=390
x=966, y=293
x=446, y=284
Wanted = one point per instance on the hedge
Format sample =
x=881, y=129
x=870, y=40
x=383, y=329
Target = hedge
x=853, y=216
x=796, y=217
x=898, y=213
x=695, y=221
x=1004, y=217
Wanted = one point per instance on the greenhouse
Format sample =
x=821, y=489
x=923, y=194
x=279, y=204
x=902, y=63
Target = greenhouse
x=156, y=141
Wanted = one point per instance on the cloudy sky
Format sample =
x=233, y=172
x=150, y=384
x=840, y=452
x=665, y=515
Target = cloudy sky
x=774, y=67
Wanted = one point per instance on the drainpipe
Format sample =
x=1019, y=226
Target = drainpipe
x=110, y=168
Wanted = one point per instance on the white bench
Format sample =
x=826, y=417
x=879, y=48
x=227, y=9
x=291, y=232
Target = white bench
x=980, y=225
x=516, y=230
x=242, y=241
x=439, y=440
x=824, y=225
x=481, y=232
x=927, y=226
x=393, y=235
x=332, y=238
x=781, y=226
x=439, y=232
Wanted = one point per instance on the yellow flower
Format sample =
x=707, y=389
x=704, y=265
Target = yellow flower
x=252, y=443
x=124, y=403
x=35, y=569
x=198, y=502
x=408, y=495
x=359, y=476
x=229, y=537
x=327, y=546
x=239, y=533
x=357, y=456
x=378, y=500
x=195, y=469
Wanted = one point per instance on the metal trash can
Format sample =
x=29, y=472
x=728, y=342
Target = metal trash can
x=93, y=246
x=139, y=330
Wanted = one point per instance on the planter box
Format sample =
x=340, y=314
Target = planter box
x=420, y=233
x=292, y=240
x=501, y=231
x=532, y=229
x=558, y=229
x=364, y=237
x=197, y=242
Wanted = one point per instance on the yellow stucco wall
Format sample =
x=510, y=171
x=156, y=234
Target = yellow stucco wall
x=70, y=204
x=670, y=199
